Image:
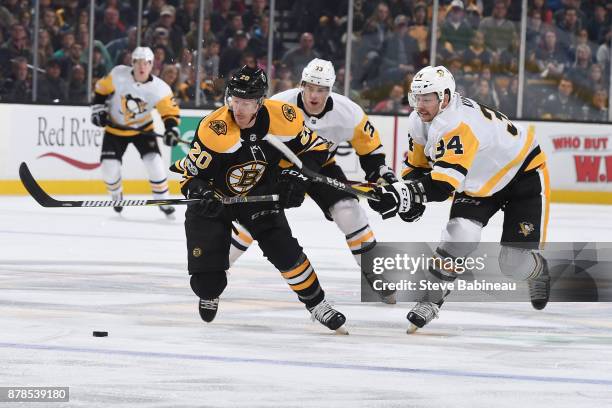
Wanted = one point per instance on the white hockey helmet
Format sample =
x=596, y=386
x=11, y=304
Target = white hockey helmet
x=436, y=80
x=319, y=72
x=144, y=53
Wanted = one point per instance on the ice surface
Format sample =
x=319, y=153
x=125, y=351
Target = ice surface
x=67, y=272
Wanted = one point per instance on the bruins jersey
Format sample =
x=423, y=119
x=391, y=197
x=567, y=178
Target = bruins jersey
x=471, y=147
x=342, y=120
x=131, y=102
x=238, y=162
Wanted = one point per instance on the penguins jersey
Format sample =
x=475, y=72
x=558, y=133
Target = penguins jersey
x=342, y=120
x=131, y=102
x=471, y=148
x=238, y=162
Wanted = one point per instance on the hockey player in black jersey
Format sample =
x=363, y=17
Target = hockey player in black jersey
x=229, y=157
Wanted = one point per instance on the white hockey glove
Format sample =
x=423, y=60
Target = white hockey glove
x=397, y=198
x=383, y=175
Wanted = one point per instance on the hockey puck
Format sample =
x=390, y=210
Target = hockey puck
x=100, y=334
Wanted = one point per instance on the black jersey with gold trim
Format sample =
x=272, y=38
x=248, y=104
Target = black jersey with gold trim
x=237, y=161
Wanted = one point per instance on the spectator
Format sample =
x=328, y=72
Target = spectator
x=18, y=86
x=543, y=10
x=328, y=35
x=109, y=30
x=393, y=103
x=561, y=105
x=483, y=94
x=50, y=23
x=7, y=19
x=597, y=109
x=160, y=58
x=497, y=30
x=508, y=62
x=473, y=15
x=258, y=42
x=596, y=78
x=187, y=90
x=297, y=58
x=232, y=55
x=69, y=14
x=400, y=52
x=77, y=86
x=569, y=27
x=83, y=39
x=598, y=24
x=550, y=59
x=115, y=47
x=186, y=62
x=25, y=18
x=381, y=22
x=234, y=25
x=418, y=29
x=579, y=71
x=45, y=49
x=151, y=14
x=212, y=60
x=477, y=55
x=283, y=73
x=187, y=16
x=456, y=29
x=258, y=10
x=508, y=96
x=560, y=14
x=282, y=85
x=100, y=69
x=170, y=75
x=67, y=40
x=534, y=29
x=175, y=34
x=16, y=46
x=51, y=87
x=220, y=18
x=70, y=60
x=208, y=36
x=581, y=39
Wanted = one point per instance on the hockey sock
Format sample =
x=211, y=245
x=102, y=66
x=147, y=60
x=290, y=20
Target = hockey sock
x=303, y=280
x=157, y=175
x=111, y=173
x=241, y=241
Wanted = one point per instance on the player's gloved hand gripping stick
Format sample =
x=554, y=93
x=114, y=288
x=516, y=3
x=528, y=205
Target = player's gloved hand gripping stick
x=318, y=178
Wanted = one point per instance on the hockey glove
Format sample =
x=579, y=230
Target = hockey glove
x=384, y=174
x=209, y=206
x=291, y=187
x=397, y=198
x=99, y=115
x=171, y=136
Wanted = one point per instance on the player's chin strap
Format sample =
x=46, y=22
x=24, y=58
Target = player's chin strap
x=316, y=177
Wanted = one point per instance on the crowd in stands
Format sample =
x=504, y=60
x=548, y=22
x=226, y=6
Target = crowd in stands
x=567, y=66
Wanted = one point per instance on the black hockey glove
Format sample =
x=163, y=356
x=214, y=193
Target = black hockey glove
x=416, y=210
x=99, y=115
x=171, y=136
x=383, y=173
x=291, y=187
x=209, y=206
x=396, y=198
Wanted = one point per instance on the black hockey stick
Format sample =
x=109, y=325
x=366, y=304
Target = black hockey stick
x=143, y=132
x=316, y=177
x=46, y=200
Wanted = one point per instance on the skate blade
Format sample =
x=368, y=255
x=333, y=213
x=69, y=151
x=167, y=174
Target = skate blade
x=342, y=330
x=412, y=328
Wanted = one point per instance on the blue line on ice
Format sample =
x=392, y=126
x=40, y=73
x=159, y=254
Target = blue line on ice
x=339, y=366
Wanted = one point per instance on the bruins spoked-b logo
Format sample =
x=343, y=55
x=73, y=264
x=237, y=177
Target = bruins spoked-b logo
x=218, y=126
x=526, y=228
x=242, y=178
x=289, y=112
x=132, y=106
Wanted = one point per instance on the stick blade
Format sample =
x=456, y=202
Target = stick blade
x=34, y=188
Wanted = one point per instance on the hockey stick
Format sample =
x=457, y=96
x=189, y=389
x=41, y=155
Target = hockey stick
x=46, y=200
x=144, y=133
x=316, y=177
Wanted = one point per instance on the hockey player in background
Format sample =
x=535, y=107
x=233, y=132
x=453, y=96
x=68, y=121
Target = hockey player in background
x=337, y=119
x=229, y=157
x=460, y=146
x=122, y=104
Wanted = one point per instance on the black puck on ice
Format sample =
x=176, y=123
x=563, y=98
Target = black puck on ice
x=100, y=334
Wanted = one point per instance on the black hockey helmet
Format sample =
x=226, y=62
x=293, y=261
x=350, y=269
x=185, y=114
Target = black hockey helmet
x=248, y=83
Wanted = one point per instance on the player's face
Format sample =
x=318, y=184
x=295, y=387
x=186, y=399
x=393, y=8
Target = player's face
x=244, y=111
x=315, y=97
x=142, y=70
x=427, y=106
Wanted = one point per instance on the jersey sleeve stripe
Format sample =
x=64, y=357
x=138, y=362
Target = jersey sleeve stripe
x=455, y=166
x=446, y=176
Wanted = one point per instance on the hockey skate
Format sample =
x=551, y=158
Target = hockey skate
x=329, y=317
x=168, y=210
x=421, y=314
x=539, y=288
x=387, y=296
x=208, y=309
x=117, y=197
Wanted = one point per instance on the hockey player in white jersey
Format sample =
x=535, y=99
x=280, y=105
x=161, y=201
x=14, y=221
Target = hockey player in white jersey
x=337, y=119
x=123, y=102
x=460, y=146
